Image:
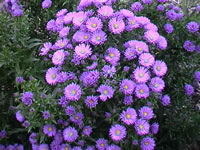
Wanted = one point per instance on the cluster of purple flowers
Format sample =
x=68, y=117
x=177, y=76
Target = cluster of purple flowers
x=12, y=147
x=13, y=7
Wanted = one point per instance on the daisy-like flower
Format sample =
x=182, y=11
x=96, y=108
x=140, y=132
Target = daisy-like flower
x=113, y=147
x=46, y=4
x=146, y=113
x=126, y=13
x=91, y=101
x=98, y=38
x=161, y=43
x=143, y=21
x=43, y=147
x=151, y=26
x=108, y=71
x=87, y=130
x=61, y=12
x=189, y=89
x=127, y=86
x=128, y=116
x=106, y=91
x=19, y=116
x=154, y=128
x=27, y=98
x=45, y=49
x=116, y=25
x=49, y=130
x=68, y=17
x=168, y=28
x=79, y=18
x=146, y=59
x=105, y=11
x=90, y=78
x=52, y=76
x=112, y=56
x=65, y=147
x=101, y=144
x=151, y=36
x=197, y=76
x=141, y=47
x=192, y=27
x=165, y=100
x=117, y=132
x=64, y=32
x=62, y=43
x=70, y=110
x=189, y=46
x=130, y=53
x=141, y=75
x=83, y=51
x=58, y=57
x=160, y=68
x=132, y=24
x=137, y=7
x=81, y=37
x=77, y=118
x=128, y=100
x=141, y=91
x=70, y=134
x=147, y=143
x=94, y=24
x=142, y=127
x=73, y=92
x=157, y=84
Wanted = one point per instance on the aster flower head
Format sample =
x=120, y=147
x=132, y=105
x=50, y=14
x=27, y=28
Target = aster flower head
x=137, y=7
x=62, y=43
x=91, y=101
x=27, y=98
x=161, y=43
x=141, y=91
x=113, y=56
x=130, y=53
x=68, y=18
x=117, y=132
x=159, y=68
x=64, y=32
x=46, y=4
x=171, y=15
x=19, y=79
x=165, y=100
x=106, y=91
x=128, y=100
x=160, y=8
x=146, y=113
x=101, y=144
x=126, y=13
x=151, y=26
x=192, y=27
x=65, y=147
x=140, y=47
x=162, y=1
x=87, y=130
x=168, y=28
x=19, y=116
x=94, y=24
x=189, y=46
x=132, y=24
x=73, y=92
x=157, y=84
x=127, y=86
x=90, y=78
x=151, y=36
x=83, y=51
x=52, y=75
x=45, y=49
x=81, y=37
x=113, y=147
x=61, y=12
x=147, y=2
x=108, y=71
x=46, y=115
x=128, y=116
x=147, y=143
x=142, y=127
x=197, y=76
x=49, y=130
x=70, y=134
x=98, y=38
x=189, y=89
x=141, y=75
x=77, y=118
x=90, y=148
x=116, y=25
x=79, y=18
x=142, y=20
x=70, y=110
x=43, y=147
x=146, y=59
x=58, y=57
x=154, y=128
x=105, y=12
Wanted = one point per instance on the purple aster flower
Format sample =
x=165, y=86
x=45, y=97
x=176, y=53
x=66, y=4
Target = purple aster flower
x=46, y=115
x=46, y=4
x=70, y=110
x=27, y=98
x=140, y=47
x=77, y=118
x=151, y=36
x=179, y=16
x=108, y=71
x=126, y=13
x=141, y=75
x=81, y=36
x=165, y=100
x=134, y=142
x=151, y=26
x=147, y=143
x=84, y=3
x=161, y=43
x=128, y=100
x=128, y=116
x=45, y=49
x=51, y=25
x=116, y=25
x=143, y=21
x=113, y=56
x=113, y=147
x=157, y=84
x=171, y=15
x=87, y=130
x=19, y=147
x=58, y=57
x=192, y=27
x=94, y=24
x=146, y=113
x=189, y=46
x=106, y=91
x=63, y=101
x=126, y=69
x=19, y=79
x=17, y=12
x=117, y=132
x=52, y=76
x=65, y=147
x=62, y=43
x=93, y=66
x=90, y=148
x=70, y=134
x=55, y=145
x=49, y=130
x=132, y=24
x=198, y=8
x=162, y=1
x=142, y=127
x=98, y=38
x=32, y=138
x=127, y=86
x=91, y=101
x=76, y=148
x=10, y=147
x=60, y=22
x=3, y=134
x=168, y=28
x=83, y=51
x=79, y=18
x=154, y=128
x=146, y=59
x=141, y=91
x=43, y=147
x=61, y=12
x=105, y=11
x=130, y=53
x=90, y=78
x=73, y=92
x=137, y=7
x=19, y=116
x=197, y=76
x=189, y=89
x=159, y=68
x=147, y=2
x=68, y=17
x=160, y=8
x=64, y=32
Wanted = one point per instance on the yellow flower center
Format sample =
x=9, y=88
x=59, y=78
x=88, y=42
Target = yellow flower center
x=146, y=143
x=85, y=37
x=156, y=85
x=102, y=144
x=81, y=19
x=158, y=68
x=115, y=26
x=98, y=38
x=91, y=101
x=62, y=44
x=53, y=76
x=141, y=127
x=111, y=55
x=141, y=91
x=70, y=133
x=94, y=25
x=76, y=117
x=151, y=37
x=140, y=49
x=132, y=22
x=44, y=149
x=73, y=92
x=125, y=86
x=66, y=148
x=105, y=13
x=82, y=51
x=128, y=116
x=118, y=132
x=105, y=92
x=59, y=58
x=141, y=75
x=50, y=129
x=145, y=113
